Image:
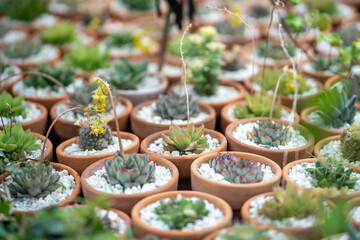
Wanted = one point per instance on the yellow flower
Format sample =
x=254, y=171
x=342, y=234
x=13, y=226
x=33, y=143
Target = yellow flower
x=94, y=130
x=208, y=31
x=138, y=34
x=96, y=98
x=235, y=21
x=290, y=87
x=145, y=44
x=102, y=100
x=357, y=43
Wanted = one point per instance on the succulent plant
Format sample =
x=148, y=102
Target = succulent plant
x=237, y=170
x=65, y=75
x=227, y=28
x=325, y=6
x=88, y=58
x=22, y=50
x=332, y=173
x=17, y=105
x=257, y=105
x=129, y=172
x=173, y=106
x=186, y=139
x=120, y=39
x=33, y=180
x=335, y=111
x=269, y=134
x=245, y=232
x=138, y=5
x=180, y=211
x=174, y=45
x=59, y=34
x=24, y=10
x=275, y=51
x=350, y=143
x=88, y=141
x=126, y=75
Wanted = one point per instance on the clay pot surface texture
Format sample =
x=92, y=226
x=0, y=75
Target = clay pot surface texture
x=302, y=101
x=80, y=163
x=66, y=128
x=219, y=105
x=299, y=233
x=70, y=199
x=143, y=128
x=48, y=154
x=276, y=155
x=225, y=119
x=289, y=166
x=126, y=202
x=8, y=86
x=183, y=163
x=319, y=145
x=234, y=194
x=142, y=229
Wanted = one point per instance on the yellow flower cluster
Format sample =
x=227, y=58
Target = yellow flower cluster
x=142, y=42
x=290, y=86
x=235, y=21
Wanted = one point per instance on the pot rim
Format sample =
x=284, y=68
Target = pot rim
x=319, y=145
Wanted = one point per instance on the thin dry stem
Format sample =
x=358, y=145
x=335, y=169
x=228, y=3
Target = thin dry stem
x=275, y=93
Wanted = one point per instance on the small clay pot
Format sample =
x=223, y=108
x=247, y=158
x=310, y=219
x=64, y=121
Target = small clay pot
x=276, y=155
x=234, y=194
x=8, y=86
x=142, y=128
x=319, y=145
x=289, y=166
x=219, y=105
x=48, y=154
x=322, y=76
x=183, y=163
x=142, y=229
x=135, y=56
x=66, y=128
x=125, y=202
x=302, y=101
x=331, y=81
x=299, y=233
x=80, y=163
x=225, y=119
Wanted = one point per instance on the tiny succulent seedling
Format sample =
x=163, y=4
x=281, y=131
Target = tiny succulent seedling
x=277, y=52
x=59, y=34
x=16, y=104
x=33, y=180
x=245, y=232
x=120, y=39
x=24, y=10
x=22, y=50
x=269, y=134
x=133, y=171
x=186, y=139
x=237, y=170
x=173, y=107
x=332, y=173
x=139, y=5
x=350, y=143
x=324, y=6
x=178, y=212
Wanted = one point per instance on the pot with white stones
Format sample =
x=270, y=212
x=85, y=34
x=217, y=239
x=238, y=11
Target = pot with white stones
x=48, y=153
x=206, y=176
x=146, y=215
x=170, y=71
x=9, y=83
x=145, y=121
x=226, y=92
x=154, y=145
x=94, y=183
x=71, y=154
x=299, y=142
x=228, y=116
x=354, y=214
x=65, y=128
x=68, y=190
x=296, y=173
x=12, y=36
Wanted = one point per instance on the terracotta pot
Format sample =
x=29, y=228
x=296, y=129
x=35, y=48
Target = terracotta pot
x=142, y=128
x=74, y=194
x=355, y=202
x=231, y=40
x=219, y=105
x=48, y=154
x=80, y=163
x=234, y=194
x=331, y=81
x=66, y=128
x=336, y=236
x=8, y=86
x=289, y=166
x=276, y=155
x=298, y=232
x=306, y=37
x=322, y=143
x=125, y=202
x=142, y=229
x=319, y=75
x=225, y=119
x=134, y=55
x=302, y=101
x=319, y=132
x=183, y=163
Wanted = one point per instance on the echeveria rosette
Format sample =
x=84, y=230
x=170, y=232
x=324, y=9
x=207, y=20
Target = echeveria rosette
x=269, y=134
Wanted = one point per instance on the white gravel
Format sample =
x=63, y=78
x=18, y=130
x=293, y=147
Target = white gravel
x=45, y=20
x=208, y=172
x=285, y=115
x=99, y=182
x=303, y=178
x=314, y=116
x=32, y=203
x=148, y=216
x=74, y=116
x=7, y=72
x=158, y=148
x=241, y=74
x=332, y=149
x=291, y=222
x=117, y=224
x=272, y=234
x=148, y=114
x=31, y=112
x=13, y=36
x=27, y=91
x=355, y=214
x=223, y=93
x=74, y=148
x=294, y=139
x=298, y=56
x=167, y=70
x=34, y=154
x=46, y=53
x=325, y=49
